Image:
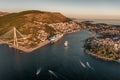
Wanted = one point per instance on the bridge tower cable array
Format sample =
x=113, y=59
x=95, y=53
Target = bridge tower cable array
x=12, y=35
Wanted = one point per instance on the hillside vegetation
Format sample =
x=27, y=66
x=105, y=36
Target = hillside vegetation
x=25, y=21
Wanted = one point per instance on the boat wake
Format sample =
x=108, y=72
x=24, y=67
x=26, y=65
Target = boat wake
x=83, y=65
x=87, y=63
x=38, y=71
x=57, y=75
x=52, y=73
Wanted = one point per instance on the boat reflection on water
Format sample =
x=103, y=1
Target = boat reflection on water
x=66, y=46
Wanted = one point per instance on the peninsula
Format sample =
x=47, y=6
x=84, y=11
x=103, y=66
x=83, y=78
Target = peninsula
x=105, y=46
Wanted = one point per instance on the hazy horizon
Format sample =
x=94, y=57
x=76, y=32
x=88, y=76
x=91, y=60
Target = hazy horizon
x=83, y=9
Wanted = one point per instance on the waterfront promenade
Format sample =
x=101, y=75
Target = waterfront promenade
x=28, y=50
x=31, y=49
x=25, y=49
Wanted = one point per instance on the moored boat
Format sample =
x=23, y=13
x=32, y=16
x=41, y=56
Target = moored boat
x=56, y=38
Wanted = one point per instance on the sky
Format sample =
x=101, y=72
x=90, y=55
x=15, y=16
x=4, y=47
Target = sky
x=83, y=9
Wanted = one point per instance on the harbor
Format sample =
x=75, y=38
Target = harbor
x=28, y=50
x=16, y=44
x=72, y=62
x=31, y=49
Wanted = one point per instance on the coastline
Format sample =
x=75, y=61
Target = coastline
x=32, y=49
x=98, y=56
x=38, y=46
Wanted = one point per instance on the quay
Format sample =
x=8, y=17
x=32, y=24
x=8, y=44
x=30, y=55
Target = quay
x=28, y=50
x=56, y=38
x=32, y=49
x=15, y=44
x=25, y=49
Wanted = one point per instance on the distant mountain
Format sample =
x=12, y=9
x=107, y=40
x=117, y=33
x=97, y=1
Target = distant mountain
x=27, y=22
x=3, y=13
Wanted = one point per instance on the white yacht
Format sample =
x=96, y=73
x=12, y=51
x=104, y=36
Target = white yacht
x=66, y=43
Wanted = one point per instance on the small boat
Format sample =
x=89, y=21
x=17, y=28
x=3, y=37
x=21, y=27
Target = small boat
x=38, y=71
x=56, y=38
x=87, y=63
x=83, y=65
x=52, y=73
x=66, y=43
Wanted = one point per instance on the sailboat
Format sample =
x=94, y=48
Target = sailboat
x=66, y=43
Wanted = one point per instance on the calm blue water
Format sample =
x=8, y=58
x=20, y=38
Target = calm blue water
x=70, y=63
x=108, y=21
